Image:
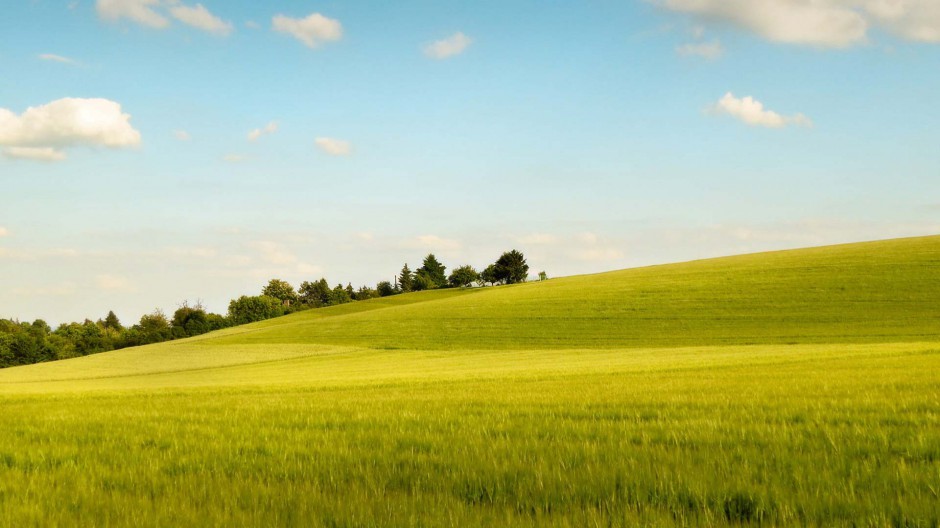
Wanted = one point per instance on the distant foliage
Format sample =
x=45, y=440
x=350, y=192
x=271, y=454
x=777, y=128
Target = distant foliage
x=280, y=290
x=463, y=276
x=247, y=309
x=511, y=268
x=26, y=343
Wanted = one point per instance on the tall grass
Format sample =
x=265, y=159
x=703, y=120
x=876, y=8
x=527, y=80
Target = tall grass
x=566, y=403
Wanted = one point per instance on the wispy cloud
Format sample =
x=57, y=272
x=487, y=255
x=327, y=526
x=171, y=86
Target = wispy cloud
x=270, y=128
x=334, y=147
x=448, y=47
x=52, y=57
x=706, y=50
x=199, y=17
x=140, y=11
x=311, y=30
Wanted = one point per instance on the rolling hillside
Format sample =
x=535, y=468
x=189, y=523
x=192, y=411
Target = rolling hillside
x=787, y=388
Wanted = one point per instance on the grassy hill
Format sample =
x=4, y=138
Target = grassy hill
x=879, y=291
x=794, y=387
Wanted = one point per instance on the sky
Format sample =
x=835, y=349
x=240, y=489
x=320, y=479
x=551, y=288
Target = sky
x=160, y=151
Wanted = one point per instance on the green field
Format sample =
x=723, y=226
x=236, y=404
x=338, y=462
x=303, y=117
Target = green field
x=787, y=388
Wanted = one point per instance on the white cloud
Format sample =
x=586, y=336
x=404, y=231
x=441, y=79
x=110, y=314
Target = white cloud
x=182, y=135
x=448, y=47
x=752, y=112
x=114, y=283
x=707, y=50
x=911, y=19
x=52, y=57
x=33, y=153
x=4, y=232
x=42, y=132
x=312, y=30
x=251, y=24
x=334, y=147
x=199, y=17
x=140, y=11
x=824, y=23
x=270, y=128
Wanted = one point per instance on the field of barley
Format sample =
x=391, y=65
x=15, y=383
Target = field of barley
x=787, y=388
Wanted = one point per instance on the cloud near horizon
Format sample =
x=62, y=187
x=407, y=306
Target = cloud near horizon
x=312, y=30
x=42, y=132
x=752, y=112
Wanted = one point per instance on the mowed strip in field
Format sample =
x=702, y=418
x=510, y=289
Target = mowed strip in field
x=798, y=387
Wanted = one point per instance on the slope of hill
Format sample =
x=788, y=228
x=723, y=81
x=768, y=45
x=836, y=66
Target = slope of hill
x=795, y=387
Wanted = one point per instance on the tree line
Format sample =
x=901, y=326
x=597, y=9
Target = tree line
x=23, y=343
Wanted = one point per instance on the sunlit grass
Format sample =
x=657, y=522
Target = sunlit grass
x=574, y=402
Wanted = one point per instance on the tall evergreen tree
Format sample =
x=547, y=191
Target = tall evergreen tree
x=406, y=279
x=434, y=271
x=112, y=321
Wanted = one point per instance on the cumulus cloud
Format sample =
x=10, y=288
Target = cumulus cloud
x=311, y=30
x=52, y=57
x=752, y=112
x=917, y=20
x=824, y=23
x=182, y=135
x=270, y=128
x=42, y=132
x=199, y=17
x=139, y=11
x=334, y=147
x=448, y=47
x=4, y=232
x=707, y=50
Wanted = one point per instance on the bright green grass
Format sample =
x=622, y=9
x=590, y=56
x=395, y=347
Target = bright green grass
x=872, y=292
x=469, y=420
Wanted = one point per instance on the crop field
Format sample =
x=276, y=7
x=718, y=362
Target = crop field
x=788, y=388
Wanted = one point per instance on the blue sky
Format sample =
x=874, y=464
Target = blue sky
x=181, y=151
